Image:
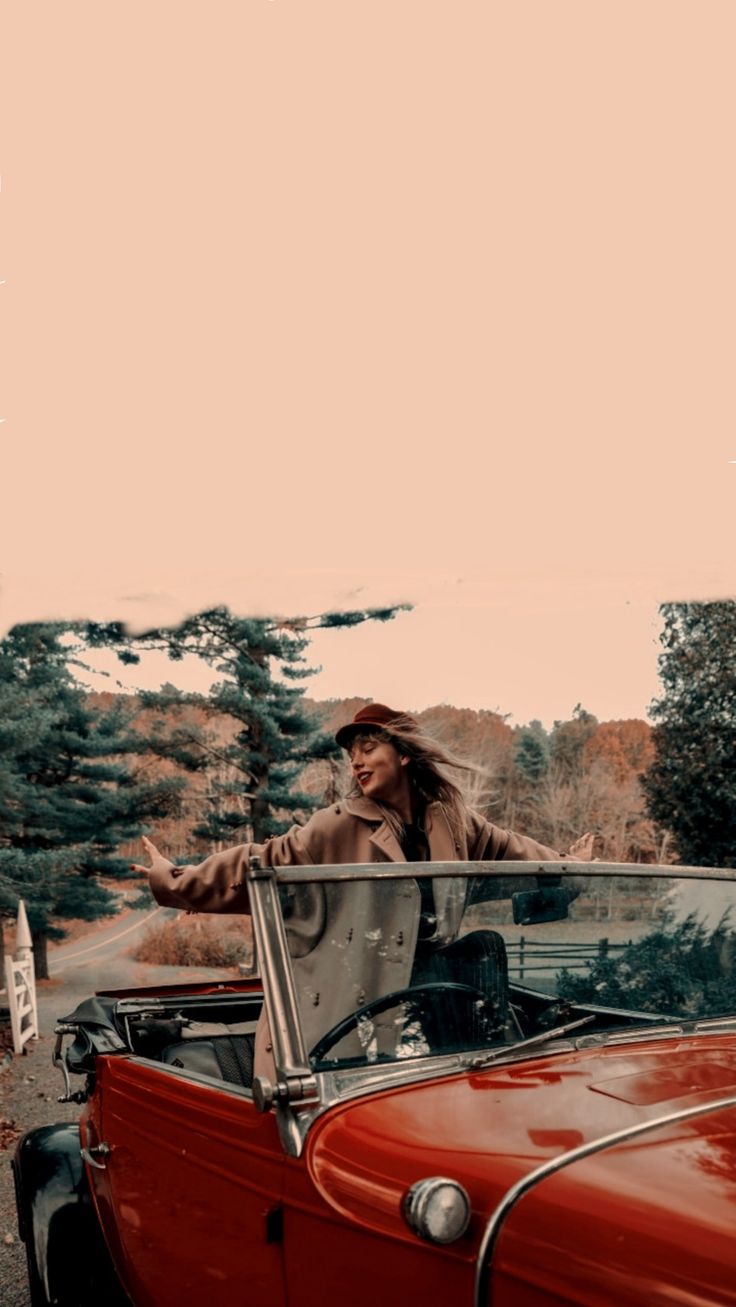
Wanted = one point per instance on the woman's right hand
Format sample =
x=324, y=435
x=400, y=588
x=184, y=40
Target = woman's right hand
x=158, y=862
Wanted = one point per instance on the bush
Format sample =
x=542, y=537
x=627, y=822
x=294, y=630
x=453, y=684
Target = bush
x=686, y=971
x=198, y=941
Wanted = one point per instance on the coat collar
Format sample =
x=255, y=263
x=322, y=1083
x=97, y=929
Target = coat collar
x=439, y=836
x=365, y=808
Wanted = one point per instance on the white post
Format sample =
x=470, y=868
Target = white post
x=21, y=982
x=24, y=953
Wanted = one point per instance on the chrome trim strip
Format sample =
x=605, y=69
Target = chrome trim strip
x=527, y=1182
x=399, y=870
x=343, y=1085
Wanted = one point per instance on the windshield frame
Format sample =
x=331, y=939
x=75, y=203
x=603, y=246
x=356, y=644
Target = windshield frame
x=300, y=1093
x=400, y=870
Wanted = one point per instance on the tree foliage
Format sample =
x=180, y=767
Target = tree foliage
x=691, y=785
x=684, y=971
x=594, y=785
x=68, y=793
x=532, y=752
x=253, y=772
x=569, y=740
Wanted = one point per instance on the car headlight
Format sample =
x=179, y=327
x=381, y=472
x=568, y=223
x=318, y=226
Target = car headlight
x=437, y=1209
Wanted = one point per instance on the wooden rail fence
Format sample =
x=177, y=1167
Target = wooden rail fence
x=526, y=955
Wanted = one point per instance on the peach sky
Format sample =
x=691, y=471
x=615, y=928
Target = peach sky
x=325, y=304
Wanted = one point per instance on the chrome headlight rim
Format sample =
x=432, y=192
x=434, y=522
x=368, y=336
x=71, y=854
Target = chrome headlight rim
x=421, y=1206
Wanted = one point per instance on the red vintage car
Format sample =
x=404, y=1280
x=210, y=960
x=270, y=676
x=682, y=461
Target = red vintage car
x=544, y=1113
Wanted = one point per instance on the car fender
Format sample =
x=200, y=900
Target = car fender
x=68, y=1262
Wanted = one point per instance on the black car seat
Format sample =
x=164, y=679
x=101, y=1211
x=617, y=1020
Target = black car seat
x=226, y=1057
x=478, y=959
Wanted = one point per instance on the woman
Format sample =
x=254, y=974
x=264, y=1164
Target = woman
x=404, y=807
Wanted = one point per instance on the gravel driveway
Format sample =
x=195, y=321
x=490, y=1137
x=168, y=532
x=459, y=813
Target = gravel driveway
x=30, y=1086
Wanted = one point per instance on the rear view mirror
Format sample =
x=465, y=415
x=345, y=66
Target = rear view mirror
x=549, y=904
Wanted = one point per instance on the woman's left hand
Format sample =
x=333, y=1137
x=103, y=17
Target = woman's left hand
x=582, y=849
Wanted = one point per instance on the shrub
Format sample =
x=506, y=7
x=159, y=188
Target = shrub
x=198, y=941
x=686, y=971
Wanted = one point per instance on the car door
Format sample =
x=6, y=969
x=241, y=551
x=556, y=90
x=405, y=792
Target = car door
x=188, y=1188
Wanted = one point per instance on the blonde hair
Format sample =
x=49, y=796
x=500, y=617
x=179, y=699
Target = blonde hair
x=427, y=771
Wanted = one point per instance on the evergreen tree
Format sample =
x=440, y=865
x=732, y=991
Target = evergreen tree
x=532, y=752
x=253, y=774
x=691, y=785
x=68, y=796
x=568, y=742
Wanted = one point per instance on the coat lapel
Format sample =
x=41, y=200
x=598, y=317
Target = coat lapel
x=449, y=894
x=441, y=843
x=385, y=840
x=383, y=837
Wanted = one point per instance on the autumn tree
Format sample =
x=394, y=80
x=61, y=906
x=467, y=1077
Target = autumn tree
x=691, y=785
x=586, y=776
x=481, y=737
x=594, y=782
x=626, y=747
x=596, y=800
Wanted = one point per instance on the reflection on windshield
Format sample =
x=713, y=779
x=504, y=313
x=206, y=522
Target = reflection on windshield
x=408, y=969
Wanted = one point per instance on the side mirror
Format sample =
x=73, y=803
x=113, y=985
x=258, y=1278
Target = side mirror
x=549, y=904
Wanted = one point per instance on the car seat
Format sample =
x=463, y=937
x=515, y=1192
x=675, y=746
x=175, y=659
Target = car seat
x=226, y=1057
x=477, y=959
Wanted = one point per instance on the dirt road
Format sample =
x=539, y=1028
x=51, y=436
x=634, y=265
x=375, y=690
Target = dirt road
x=29, y=1088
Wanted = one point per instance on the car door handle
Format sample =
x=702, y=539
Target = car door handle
x=91, y=1154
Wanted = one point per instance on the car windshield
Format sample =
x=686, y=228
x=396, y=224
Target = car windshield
x=417, y=967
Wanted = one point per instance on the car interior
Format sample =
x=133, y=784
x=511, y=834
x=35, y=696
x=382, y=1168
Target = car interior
x=459, y=999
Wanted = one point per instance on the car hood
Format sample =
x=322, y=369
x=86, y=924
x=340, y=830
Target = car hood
x=672, y=1185
x=648, y=1219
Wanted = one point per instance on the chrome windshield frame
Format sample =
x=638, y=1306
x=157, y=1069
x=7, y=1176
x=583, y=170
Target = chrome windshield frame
x=294, y=1083
x=505, y=869
x=298, y=1094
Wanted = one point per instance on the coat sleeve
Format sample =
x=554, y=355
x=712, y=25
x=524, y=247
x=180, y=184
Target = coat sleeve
x=219, y=885
x=492, y=843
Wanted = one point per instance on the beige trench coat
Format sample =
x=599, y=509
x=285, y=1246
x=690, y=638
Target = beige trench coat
x=349, y=944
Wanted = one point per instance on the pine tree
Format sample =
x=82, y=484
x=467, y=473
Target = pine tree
x=68, y=795
x=691, y=786
x=532, y=752
x=260, y=736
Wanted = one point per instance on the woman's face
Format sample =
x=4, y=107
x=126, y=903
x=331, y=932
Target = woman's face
x=379, y=769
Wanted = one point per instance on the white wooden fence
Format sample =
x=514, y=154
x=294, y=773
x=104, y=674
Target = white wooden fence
x=20, y=980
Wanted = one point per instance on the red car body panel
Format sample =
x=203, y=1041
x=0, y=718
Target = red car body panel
x=179, y=1217
x=649, y=1221
x=187, y=1221
x=507, y=1121
x=182, y=1219
x=597, y=1146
